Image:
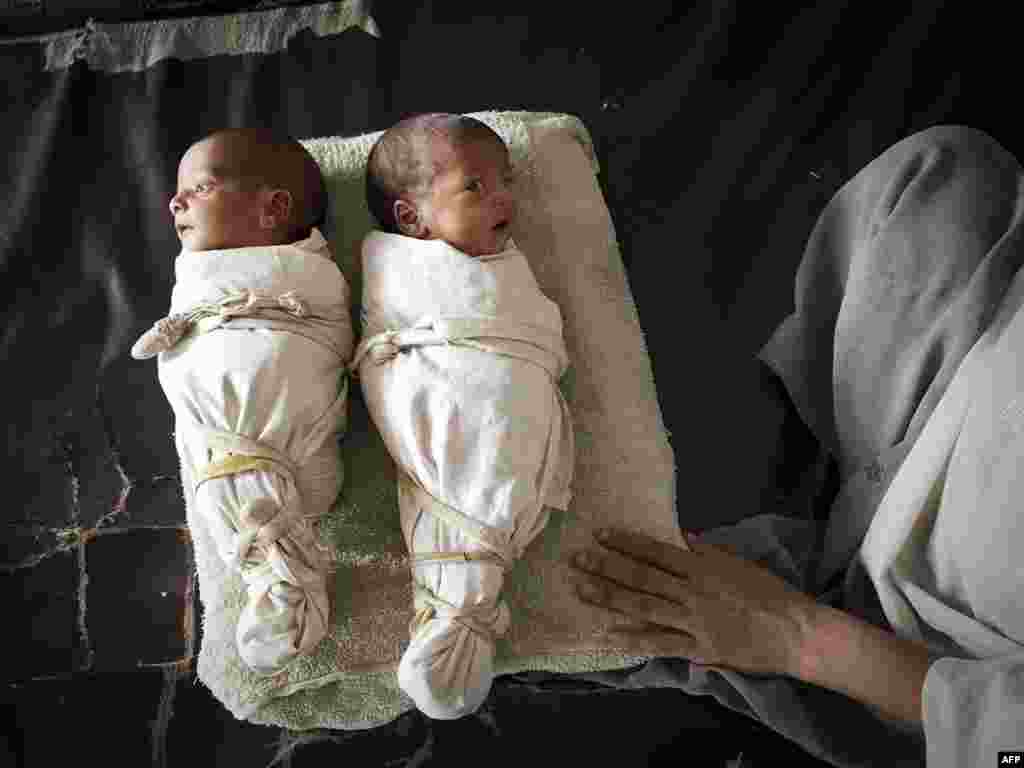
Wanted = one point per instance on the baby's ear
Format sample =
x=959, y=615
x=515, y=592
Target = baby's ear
x=410, y=222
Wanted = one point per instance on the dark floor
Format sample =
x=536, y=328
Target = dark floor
x=721, y=135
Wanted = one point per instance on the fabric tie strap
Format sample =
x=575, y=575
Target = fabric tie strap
x=242, y=454
x=548, y=349
x=459, y=557
x=168, y=331
x=262, y=521
x=487, y=621
x=498, y=550
x=262, y=524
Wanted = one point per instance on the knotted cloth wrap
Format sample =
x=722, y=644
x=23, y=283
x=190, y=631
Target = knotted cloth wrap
x=251, y=358
x=459, y=366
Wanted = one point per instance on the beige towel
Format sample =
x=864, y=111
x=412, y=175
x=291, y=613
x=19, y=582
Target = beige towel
x=624, y=471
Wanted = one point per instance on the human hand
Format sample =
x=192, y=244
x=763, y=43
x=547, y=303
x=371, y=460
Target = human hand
x=707, y=604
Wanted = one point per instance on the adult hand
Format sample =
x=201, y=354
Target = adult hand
x=706, y=604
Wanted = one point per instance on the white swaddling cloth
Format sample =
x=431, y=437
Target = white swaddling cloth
x=252, y=360
x=459, y=365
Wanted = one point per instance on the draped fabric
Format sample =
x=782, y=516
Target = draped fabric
x=902, y=356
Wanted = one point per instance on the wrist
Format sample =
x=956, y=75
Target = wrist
x=838, y=651
x=814, y=624
x=809, y=625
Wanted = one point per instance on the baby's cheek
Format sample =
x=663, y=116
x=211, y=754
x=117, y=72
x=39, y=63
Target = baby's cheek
x=459, y=230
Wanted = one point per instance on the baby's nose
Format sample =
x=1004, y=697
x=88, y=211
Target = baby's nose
x=175, y=204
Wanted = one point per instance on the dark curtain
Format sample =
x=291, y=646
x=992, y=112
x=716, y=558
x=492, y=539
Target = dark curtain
x=722, y=129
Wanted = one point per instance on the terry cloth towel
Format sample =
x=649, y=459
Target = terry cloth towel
x=459, y=367
x=623, y=474
x=903, y=355
x=252, y=360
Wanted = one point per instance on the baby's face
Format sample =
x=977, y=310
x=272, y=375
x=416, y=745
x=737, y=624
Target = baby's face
x=211, y=210
x=471, y=204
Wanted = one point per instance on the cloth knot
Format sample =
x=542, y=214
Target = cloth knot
x=489, y=621
x=292, y=303
x=168, y=331
x=383, y=352
x=165, y=333
x=261, y=523
x=243, y=305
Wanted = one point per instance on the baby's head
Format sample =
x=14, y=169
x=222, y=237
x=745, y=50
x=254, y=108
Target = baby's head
x=244, y=187
x=443, y=177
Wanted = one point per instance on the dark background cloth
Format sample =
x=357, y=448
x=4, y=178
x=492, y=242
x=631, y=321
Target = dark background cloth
x=722, y=129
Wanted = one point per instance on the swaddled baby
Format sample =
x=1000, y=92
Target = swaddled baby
x=459, y=366
x=252, y=360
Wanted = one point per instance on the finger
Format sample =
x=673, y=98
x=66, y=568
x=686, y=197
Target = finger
x=633, y=574
x=635, y=605
x=662, y=555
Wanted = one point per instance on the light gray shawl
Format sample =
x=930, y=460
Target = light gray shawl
x=910, y=267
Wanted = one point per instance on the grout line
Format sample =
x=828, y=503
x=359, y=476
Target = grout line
x=189, y=617
x=83, y=630
x=67, y=449
x=72, y=537
x=110, y=434
x=183, y=667
x=165, y=711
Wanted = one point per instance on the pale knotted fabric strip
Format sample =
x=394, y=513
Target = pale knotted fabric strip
x=429, y=331
x=168, y=331
x=277, y=554
x=449, y=665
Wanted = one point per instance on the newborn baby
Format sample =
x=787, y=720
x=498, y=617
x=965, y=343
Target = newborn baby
x=459, y=365
x=252, y=361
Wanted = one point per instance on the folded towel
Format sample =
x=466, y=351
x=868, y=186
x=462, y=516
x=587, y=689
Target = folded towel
x=623, y=474
x=251, y=360
x=467, y=402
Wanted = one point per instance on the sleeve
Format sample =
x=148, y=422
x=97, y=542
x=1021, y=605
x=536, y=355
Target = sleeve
x=972, y=709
